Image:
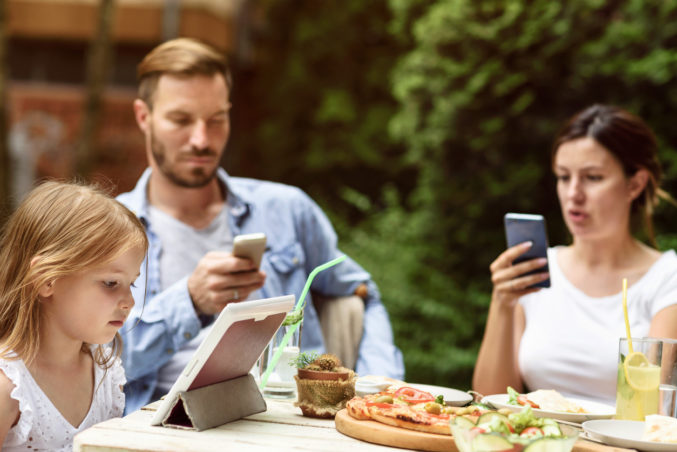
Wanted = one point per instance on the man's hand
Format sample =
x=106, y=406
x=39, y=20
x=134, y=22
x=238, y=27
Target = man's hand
x=221, y=278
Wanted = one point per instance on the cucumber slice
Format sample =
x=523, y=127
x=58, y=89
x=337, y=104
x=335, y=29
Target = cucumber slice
x=463, y=422
x=490, y=442
x=487, y=417
x=495, y=422
x=461, y=437
x=551, y=430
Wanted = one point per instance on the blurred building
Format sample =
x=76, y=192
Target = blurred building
x=48, y=42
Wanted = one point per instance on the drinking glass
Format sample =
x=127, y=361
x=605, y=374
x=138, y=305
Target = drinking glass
x=667, y=392
x=639, y=378
x=666, y=400
x=281, y=382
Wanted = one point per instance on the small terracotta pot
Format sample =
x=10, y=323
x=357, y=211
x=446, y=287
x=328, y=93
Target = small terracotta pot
x=306, y=374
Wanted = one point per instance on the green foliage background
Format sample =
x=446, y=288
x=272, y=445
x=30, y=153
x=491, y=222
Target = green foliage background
x=418, y=123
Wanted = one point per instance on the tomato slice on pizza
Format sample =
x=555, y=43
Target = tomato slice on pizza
x=413, y=395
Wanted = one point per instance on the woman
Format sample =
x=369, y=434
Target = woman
x=566, y=337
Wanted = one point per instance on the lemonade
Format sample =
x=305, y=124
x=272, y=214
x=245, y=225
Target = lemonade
x=637, y=388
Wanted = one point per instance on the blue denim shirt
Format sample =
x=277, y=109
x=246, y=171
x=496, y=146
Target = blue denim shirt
x=300, y=237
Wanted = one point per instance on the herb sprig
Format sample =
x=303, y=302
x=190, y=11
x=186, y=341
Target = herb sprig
x=303, y=359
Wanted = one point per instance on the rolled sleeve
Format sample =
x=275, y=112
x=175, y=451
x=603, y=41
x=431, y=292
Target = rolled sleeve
x=378, y=354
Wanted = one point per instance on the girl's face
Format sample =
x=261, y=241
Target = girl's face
x=90, y=306
x=593, y=191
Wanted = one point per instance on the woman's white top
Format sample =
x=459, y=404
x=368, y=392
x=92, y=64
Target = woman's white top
x=570, y=341
x=41, y=426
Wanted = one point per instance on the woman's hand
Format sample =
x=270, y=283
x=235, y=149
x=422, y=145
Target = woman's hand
x=509, y=285
x=497, y=361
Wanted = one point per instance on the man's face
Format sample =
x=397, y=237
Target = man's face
x=187, y=129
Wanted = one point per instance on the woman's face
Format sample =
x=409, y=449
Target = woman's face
x=593, y=191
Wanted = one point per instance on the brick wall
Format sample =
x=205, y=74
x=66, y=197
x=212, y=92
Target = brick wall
x=45, y=126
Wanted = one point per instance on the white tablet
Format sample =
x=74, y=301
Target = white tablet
x=235, y=342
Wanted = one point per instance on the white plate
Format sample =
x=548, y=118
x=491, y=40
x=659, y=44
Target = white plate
x=453, y=397
x=594, y=410
x=624, y=434
x=370, y=385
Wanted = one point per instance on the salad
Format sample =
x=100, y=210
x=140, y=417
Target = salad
x=515, y=432
x=515, y=398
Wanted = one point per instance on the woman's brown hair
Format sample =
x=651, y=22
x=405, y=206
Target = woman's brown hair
x=632, y=143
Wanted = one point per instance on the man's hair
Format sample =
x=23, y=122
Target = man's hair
x=181, y=57
x=59, y=229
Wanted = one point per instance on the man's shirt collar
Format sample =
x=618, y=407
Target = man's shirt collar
x=237, y=200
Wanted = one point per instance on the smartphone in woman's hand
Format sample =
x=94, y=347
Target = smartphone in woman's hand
x=523, y=227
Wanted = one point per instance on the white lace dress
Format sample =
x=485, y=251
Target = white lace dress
x=41, y=426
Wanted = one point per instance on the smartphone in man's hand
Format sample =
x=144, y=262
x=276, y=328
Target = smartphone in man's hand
x=522, y=227
x=250, y=246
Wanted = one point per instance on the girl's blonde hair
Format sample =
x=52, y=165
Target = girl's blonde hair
x=58, y=230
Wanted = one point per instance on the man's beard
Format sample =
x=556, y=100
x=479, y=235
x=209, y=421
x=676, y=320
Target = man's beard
x=198, y=177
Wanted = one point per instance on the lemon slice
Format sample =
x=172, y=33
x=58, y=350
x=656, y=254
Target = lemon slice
x=640, y=374
x=636, y=359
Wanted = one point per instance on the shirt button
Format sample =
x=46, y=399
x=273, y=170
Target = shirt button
x=187, y=335
x=170, y=351
x=295, y=260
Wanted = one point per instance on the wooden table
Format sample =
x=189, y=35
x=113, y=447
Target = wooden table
x=281, y=427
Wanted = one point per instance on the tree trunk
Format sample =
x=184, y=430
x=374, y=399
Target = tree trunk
x=171, y=19
x=5, y=162
x=99, y=61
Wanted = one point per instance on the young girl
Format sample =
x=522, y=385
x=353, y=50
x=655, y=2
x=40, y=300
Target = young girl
x=69, y=256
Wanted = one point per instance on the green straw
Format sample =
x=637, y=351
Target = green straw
x=296, y=317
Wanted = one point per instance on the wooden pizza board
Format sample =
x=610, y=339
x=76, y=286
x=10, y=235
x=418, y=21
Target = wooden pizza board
x=387, y=435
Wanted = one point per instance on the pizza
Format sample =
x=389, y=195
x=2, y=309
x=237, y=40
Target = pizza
x=410, y=408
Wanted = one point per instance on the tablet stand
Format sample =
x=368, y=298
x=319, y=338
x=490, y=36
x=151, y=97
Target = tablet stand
x=217, y=404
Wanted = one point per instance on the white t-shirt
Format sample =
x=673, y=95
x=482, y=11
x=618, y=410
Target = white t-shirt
x=570, y=341
x=182, y=248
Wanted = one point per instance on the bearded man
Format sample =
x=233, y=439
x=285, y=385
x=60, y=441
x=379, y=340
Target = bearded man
x=192, y=209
